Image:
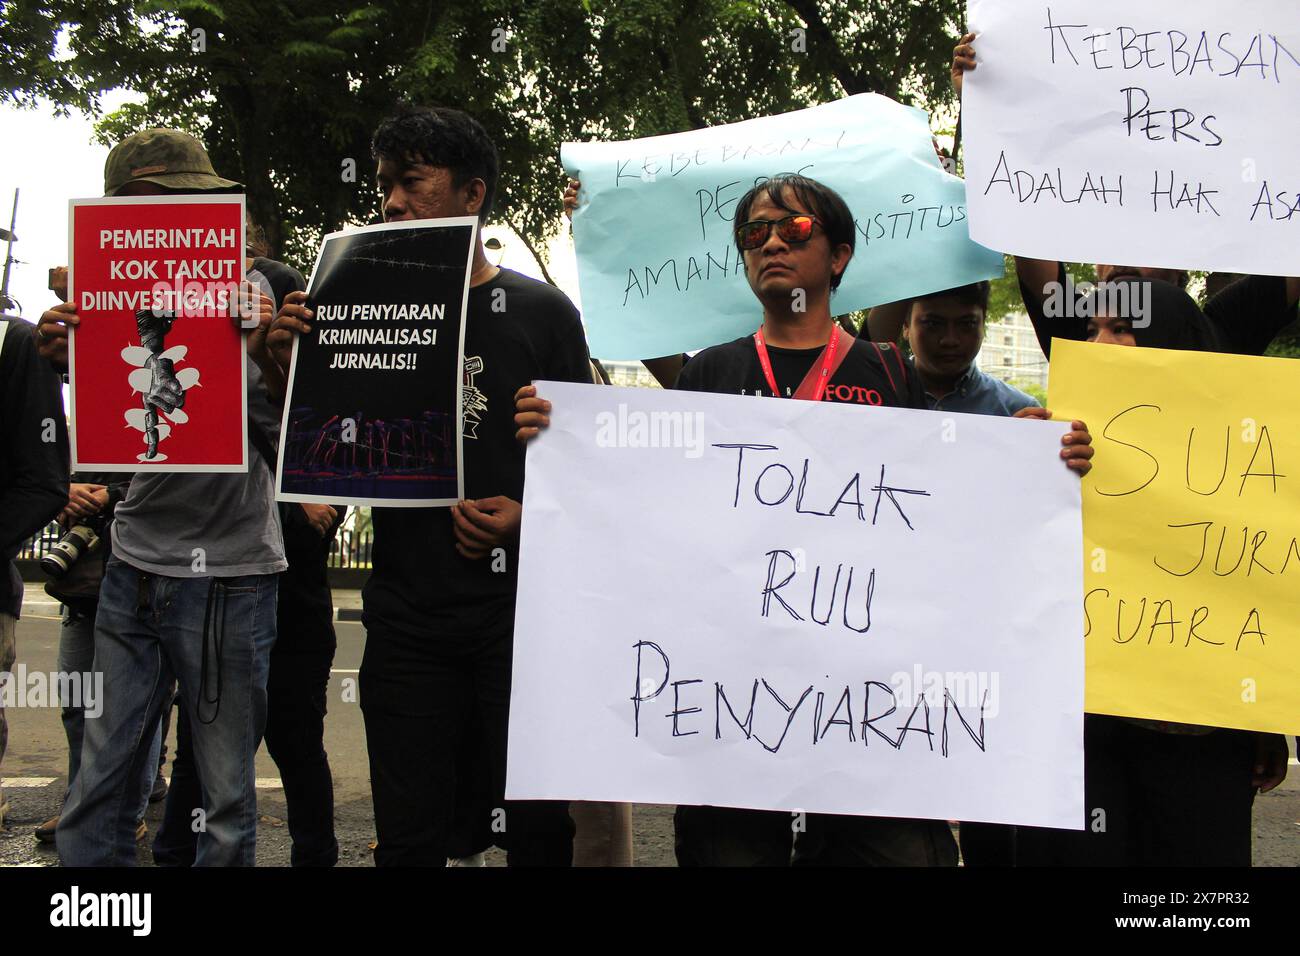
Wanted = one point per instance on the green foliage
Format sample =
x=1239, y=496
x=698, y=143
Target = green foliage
x=1034, y=391
x=1287, y=344
x=1004, y=292
x=283, y=93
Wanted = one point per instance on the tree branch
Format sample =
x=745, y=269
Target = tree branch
x=529, y=246
x=853, y=81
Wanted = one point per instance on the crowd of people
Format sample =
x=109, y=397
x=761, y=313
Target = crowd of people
x=241, y=643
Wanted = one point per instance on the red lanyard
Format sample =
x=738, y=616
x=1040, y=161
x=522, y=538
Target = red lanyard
x=824, y=374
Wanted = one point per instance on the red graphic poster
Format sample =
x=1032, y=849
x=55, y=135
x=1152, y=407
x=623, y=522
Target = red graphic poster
x=157, y=365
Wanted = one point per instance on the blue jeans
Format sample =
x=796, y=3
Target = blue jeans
x=214, y=637
x=77, y=656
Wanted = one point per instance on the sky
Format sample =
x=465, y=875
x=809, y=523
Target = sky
x=52, y=159
x=49, y=160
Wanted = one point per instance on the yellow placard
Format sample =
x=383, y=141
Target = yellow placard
x=1191, y=529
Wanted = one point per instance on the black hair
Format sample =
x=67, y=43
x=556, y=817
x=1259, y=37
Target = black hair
x=439, y=136
x=976, y=293
x=1173, y=319
x=820, y=200
x=255, y=241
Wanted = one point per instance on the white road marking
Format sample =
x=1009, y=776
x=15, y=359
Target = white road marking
x=18, y=783
x=343, y=670
x=261, y=783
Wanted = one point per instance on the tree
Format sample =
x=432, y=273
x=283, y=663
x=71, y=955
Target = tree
x=286, y=95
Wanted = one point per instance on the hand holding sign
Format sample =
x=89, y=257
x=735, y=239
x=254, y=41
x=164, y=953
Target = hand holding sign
x=52, y=334
x=963, y=59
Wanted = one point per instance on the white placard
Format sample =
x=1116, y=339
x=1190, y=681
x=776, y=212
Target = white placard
x=933, y=565
x=1152, y=134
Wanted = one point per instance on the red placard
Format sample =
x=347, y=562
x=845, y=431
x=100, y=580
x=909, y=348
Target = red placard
x=157, y=365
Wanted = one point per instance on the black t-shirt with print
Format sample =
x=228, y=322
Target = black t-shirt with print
x=516, y=330
x=865, y=377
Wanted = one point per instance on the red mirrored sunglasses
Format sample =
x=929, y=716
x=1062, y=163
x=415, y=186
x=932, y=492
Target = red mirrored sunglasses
x=798, y=228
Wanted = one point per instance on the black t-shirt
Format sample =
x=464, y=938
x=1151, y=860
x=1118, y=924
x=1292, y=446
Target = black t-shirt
x=865, y=377
x=305, y=606
x=420, y=584
x=1246, y=316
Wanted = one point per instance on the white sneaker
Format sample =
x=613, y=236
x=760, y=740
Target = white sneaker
x=477, y=859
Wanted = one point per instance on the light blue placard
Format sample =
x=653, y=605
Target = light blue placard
x=657, y=267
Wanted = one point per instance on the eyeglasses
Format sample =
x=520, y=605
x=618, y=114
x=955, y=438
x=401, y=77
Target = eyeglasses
x=797, y=228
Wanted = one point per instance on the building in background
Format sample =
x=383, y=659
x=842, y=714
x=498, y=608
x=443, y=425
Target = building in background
x=1011, y=352
x=629, y=373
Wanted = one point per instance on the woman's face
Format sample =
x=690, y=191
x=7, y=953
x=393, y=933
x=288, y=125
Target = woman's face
x=1111, y=331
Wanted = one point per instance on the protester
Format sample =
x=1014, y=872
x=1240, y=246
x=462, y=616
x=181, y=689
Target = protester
x=298, y=677
x=439, y=604
x=91, y=500
x=297, y=685
x=33, y=476
x=946, y=331
x=165, y=614
x=1158, y=793
x=797, y=238
x=299, y=681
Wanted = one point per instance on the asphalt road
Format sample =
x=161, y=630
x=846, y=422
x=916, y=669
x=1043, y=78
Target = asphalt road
x=35, y=769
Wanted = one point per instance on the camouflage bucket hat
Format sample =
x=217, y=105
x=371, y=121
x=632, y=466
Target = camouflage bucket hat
x=167, y=157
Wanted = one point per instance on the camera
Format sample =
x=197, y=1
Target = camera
x=81, y=539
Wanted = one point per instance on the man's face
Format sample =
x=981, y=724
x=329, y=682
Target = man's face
x=1108, y=273
x=141, y=188
x=945, y=335
x=420, y=191
x=777, y=268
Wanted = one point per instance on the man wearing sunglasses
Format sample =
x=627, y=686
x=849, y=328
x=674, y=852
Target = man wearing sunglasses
x=797, y=238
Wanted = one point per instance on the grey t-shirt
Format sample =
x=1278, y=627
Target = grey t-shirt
x=231, y=517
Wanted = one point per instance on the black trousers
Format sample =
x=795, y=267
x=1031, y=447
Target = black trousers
x=296, y=688
x=295, y=738
x=725, y=836
x=1154, y=799
x=435, y=710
